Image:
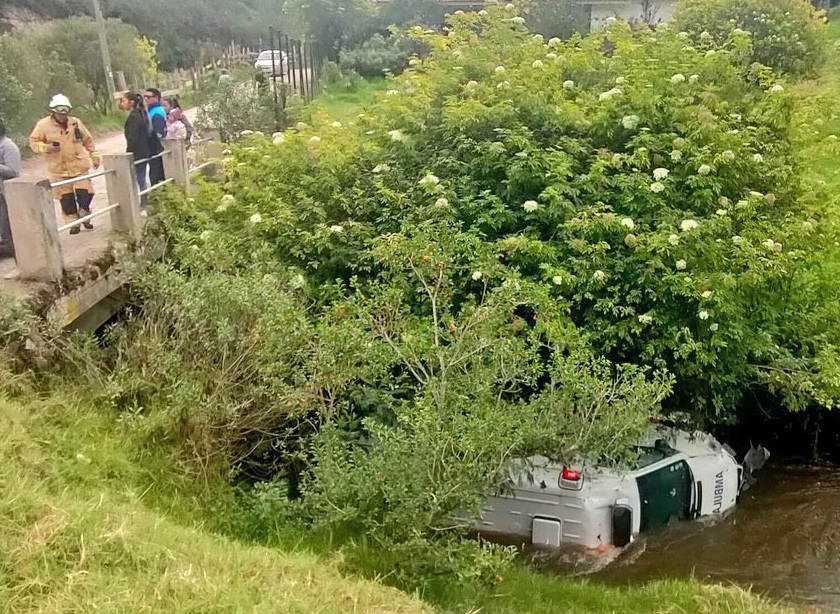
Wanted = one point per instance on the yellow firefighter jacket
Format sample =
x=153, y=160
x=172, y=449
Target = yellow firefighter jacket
x=77, y=148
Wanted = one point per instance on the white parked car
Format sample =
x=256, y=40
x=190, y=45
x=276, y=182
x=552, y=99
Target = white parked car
x=276, y=58
x=679, y=476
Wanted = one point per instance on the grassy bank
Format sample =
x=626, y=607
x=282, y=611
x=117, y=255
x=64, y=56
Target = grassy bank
x=92, y=516
x=90, y=522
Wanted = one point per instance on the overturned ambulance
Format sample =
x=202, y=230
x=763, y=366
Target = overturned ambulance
x=678, y=476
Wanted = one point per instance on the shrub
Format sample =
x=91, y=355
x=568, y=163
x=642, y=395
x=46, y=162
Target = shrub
x=652, y=188
x=376, y=57
x=237, y=107
x=787, y=35
x=521, y=239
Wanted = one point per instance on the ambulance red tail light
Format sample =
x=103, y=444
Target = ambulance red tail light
x=571, y=479
x=571, y=474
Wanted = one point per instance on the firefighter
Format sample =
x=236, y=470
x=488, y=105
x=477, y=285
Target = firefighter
x=70, y=152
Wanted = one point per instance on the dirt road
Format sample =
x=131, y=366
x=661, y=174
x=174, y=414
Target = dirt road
x=80, y=248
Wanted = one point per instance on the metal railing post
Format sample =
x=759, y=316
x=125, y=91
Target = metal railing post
x=122, y=188
x=34, y=229
x=175, y=163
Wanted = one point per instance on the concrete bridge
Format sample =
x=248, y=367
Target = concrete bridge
x=72, y=280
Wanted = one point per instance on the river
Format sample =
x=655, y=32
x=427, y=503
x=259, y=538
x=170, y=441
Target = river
x=783, y=539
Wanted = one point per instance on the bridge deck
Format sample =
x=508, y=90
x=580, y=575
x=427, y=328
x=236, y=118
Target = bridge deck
x=82, y=250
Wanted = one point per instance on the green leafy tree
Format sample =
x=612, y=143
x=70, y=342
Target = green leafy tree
x=75, y=41
x=332, y=24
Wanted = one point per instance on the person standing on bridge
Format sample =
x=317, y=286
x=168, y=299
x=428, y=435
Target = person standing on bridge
x=9, y=169
x=138, y=140
x=70, y=152
x=157, y=116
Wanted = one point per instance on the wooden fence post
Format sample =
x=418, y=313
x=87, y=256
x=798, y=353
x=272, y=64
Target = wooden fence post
x=34, y=229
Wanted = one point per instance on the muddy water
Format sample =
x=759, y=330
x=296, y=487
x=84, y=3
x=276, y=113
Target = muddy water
x=783, y=540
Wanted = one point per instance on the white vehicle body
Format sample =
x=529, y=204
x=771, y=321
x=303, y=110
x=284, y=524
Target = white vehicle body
x=679, y=476
x=276, y=58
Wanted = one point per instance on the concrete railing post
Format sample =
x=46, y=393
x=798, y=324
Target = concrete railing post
x=175, y=163
x=122, y=188
x=213, y=148
x=34, y=229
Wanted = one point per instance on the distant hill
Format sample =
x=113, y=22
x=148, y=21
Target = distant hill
x=179, y=27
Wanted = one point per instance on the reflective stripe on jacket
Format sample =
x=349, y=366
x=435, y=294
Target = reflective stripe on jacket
x=77, y=148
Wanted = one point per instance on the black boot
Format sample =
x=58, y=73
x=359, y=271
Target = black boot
x=84, y=213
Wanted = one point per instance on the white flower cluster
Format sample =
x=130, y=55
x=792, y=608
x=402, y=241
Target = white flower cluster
x=628, y=223
x=660, y=174
x=687, y=225
x=609, y=94
x=630, y=121
x=429, y=181
x=530, y=206
x=398, y=136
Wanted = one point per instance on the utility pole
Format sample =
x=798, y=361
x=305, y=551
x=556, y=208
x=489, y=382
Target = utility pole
x=106, y=56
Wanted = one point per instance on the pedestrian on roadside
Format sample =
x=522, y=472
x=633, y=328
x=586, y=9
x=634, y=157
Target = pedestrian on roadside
x=9, y=169
x=171, y=105
x=157, y=117
x=70, y=152
x=175, y=128
x=138, y=139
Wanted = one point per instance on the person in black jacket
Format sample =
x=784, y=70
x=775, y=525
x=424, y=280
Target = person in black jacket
x=139, y=138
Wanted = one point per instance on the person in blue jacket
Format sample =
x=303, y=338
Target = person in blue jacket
x=157, y=116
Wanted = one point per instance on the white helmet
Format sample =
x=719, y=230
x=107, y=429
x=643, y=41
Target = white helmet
x=60, y=100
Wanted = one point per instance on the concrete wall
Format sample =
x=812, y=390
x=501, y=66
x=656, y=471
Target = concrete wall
x=659, y=10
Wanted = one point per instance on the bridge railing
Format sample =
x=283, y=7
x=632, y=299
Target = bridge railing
x=32, y=214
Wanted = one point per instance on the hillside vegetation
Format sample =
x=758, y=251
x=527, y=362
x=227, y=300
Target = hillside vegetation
x=180, y=28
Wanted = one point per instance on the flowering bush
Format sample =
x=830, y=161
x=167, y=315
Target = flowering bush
x=520, y=239
x=787, y=35
x=650, y=185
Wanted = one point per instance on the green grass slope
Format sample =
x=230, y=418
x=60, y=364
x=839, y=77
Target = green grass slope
x=78, y=534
